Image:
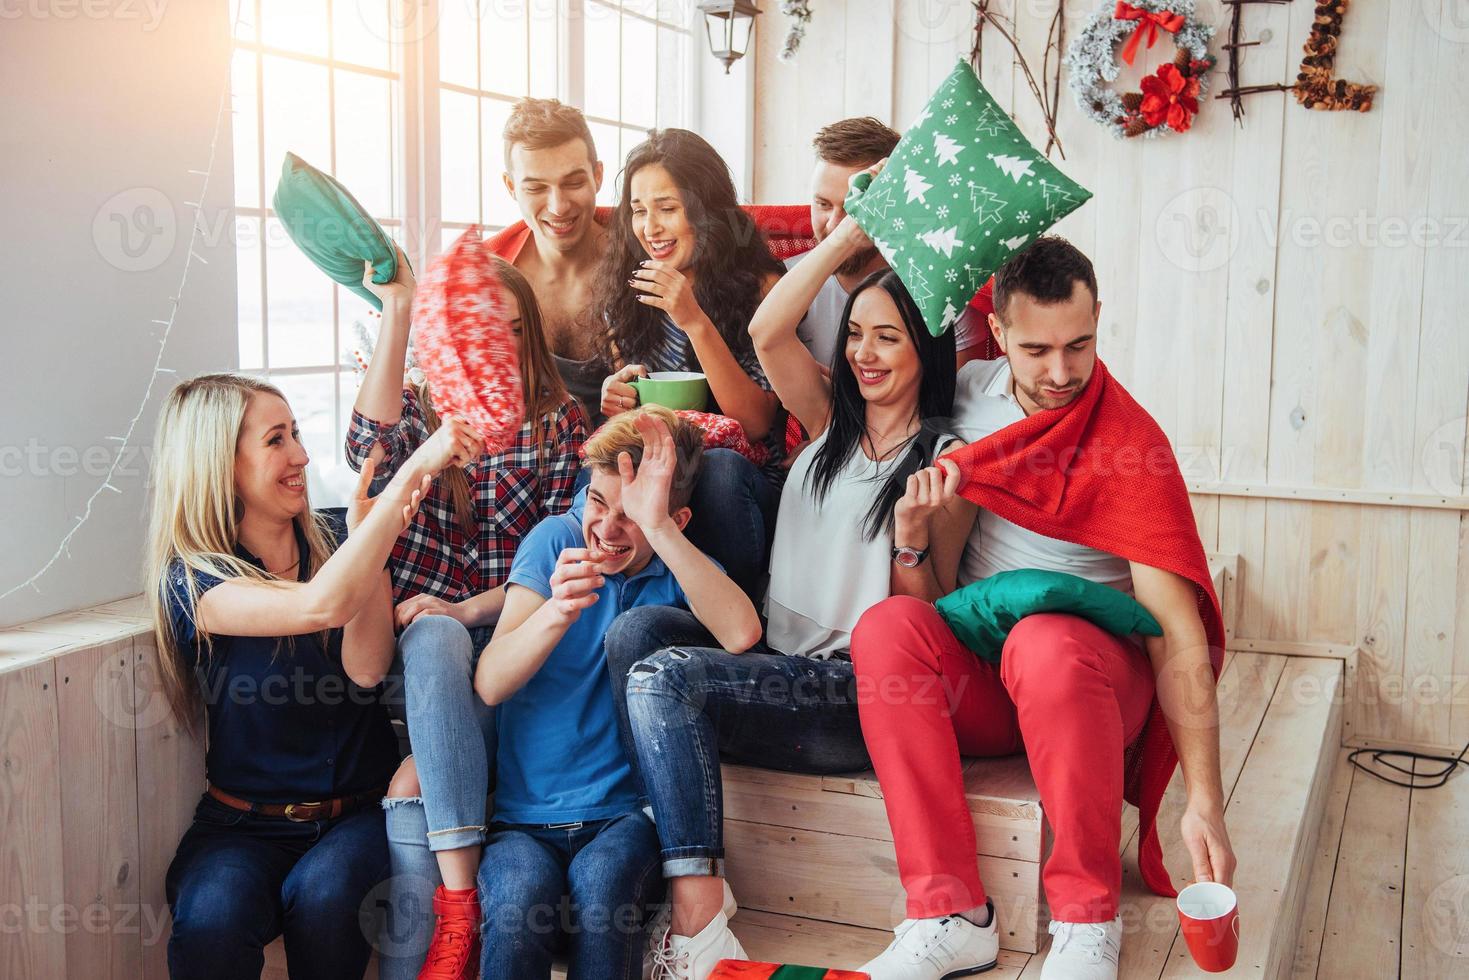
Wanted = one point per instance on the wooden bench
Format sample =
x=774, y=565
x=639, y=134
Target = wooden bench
x=97, y=784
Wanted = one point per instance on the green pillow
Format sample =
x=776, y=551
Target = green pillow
x=961, y=193
x=326, y=222
x=983, y=613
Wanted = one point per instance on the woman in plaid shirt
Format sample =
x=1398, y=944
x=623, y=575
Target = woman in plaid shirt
x=448, y=571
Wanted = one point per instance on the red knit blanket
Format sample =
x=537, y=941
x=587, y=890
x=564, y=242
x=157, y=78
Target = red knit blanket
x=1100, y=473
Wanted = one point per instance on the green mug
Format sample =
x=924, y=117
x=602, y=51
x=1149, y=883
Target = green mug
x=677, y=390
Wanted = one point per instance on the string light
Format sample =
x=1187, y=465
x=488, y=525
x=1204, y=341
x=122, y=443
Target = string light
x=63, y=548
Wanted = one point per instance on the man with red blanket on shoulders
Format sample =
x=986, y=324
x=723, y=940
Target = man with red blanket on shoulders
x=1068, y=474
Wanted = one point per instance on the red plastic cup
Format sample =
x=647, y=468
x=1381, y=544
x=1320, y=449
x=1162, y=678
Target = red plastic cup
x=1208, y=912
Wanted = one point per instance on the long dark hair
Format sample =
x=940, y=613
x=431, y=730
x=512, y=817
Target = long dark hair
x=731, y=257
x=848, y=421
x=540, y=384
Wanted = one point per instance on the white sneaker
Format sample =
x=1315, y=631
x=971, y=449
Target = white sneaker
x=1083, y=951
x=659, y=930
x=695, y=957
x=936, y=949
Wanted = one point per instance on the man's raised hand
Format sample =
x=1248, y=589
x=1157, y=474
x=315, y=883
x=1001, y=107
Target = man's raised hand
x=645, y=493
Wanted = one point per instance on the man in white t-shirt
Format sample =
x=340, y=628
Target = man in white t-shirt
x=1070, y=695
x=845, y=148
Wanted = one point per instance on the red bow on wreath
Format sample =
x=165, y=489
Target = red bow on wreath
x=1148, y=22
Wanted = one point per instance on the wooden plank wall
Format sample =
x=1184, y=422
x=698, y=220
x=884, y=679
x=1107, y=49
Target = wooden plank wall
x=97, y=784
x=1287, y=297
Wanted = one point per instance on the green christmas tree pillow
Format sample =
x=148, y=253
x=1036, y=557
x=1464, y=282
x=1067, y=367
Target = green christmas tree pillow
x=961, y=193
x=983, y=613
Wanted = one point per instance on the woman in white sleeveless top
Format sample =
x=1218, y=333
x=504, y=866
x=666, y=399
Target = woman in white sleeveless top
x=856, y=518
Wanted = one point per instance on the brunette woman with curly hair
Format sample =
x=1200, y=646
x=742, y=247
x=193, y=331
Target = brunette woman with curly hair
x=684, y=272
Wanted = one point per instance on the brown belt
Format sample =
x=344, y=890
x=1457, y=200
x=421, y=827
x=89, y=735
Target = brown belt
x=299, y=812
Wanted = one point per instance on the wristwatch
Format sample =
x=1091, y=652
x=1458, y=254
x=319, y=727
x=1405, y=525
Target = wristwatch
x=909, y=557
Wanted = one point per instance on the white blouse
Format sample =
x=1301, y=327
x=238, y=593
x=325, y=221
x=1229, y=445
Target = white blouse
x=824, y=573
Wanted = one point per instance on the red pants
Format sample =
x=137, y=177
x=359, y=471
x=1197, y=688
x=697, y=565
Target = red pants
x=1069, y=694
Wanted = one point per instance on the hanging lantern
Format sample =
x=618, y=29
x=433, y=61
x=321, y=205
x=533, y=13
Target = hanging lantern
x=724, y=14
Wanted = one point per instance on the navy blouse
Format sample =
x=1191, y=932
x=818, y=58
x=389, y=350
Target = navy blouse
x=286, y=724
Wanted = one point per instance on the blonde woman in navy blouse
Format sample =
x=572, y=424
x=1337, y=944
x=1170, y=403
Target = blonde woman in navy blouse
x=281, y=631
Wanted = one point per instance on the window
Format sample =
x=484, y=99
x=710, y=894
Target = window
x=627, y=66
x=317, y=78
x=333, y=82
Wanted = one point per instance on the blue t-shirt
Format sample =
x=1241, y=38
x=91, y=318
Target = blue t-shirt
x=286, y=724
x=559, y=758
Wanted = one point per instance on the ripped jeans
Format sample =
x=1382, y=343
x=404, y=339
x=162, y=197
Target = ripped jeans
x=453, y=737
x=683, y=703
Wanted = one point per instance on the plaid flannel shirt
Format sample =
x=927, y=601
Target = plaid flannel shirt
x=512, y=491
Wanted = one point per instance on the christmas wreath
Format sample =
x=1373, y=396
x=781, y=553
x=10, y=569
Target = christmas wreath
x=1169, y=99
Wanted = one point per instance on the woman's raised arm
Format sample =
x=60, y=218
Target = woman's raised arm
x=352, y=575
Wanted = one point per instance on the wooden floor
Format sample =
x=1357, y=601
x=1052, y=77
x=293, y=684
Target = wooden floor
x=1280, y=732
x=1388, y=894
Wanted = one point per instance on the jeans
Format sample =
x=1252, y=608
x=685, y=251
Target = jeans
x=452, y=731
x=454, y=738
x=239, y=880
x=733, y=516
x=582, y=887
x=408, y=921
x=683, y=703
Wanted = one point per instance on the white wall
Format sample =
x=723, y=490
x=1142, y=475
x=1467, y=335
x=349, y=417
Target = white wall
x=1286, y=296
x=107, y=108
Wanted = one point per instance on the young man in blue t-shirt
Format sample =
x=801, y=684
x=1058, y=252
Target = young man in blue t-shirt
x=568, y=821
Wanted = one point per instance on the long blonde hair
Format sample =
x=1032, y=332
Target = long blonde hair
x=540, y=384
x=195, y=518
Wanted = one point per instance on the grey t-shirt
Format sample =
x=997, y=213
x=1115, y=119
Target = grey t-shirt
x=818, y=329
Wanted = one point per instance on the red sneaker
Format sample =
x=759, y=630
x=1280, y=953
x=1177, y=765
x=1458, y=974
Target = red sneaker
x=453, y=954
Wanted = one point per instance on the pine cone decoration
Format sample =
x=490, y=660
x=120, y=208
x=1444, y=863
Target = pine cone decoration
x=1315, y=87
x=1132, y=101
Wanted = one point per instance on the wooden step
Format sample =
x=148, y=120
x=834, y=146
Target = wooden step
x=1280, y=728
x=819, y=847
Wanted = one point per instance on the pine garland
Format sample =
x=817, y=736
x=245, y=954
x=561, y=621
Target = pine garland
x=799, y=12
